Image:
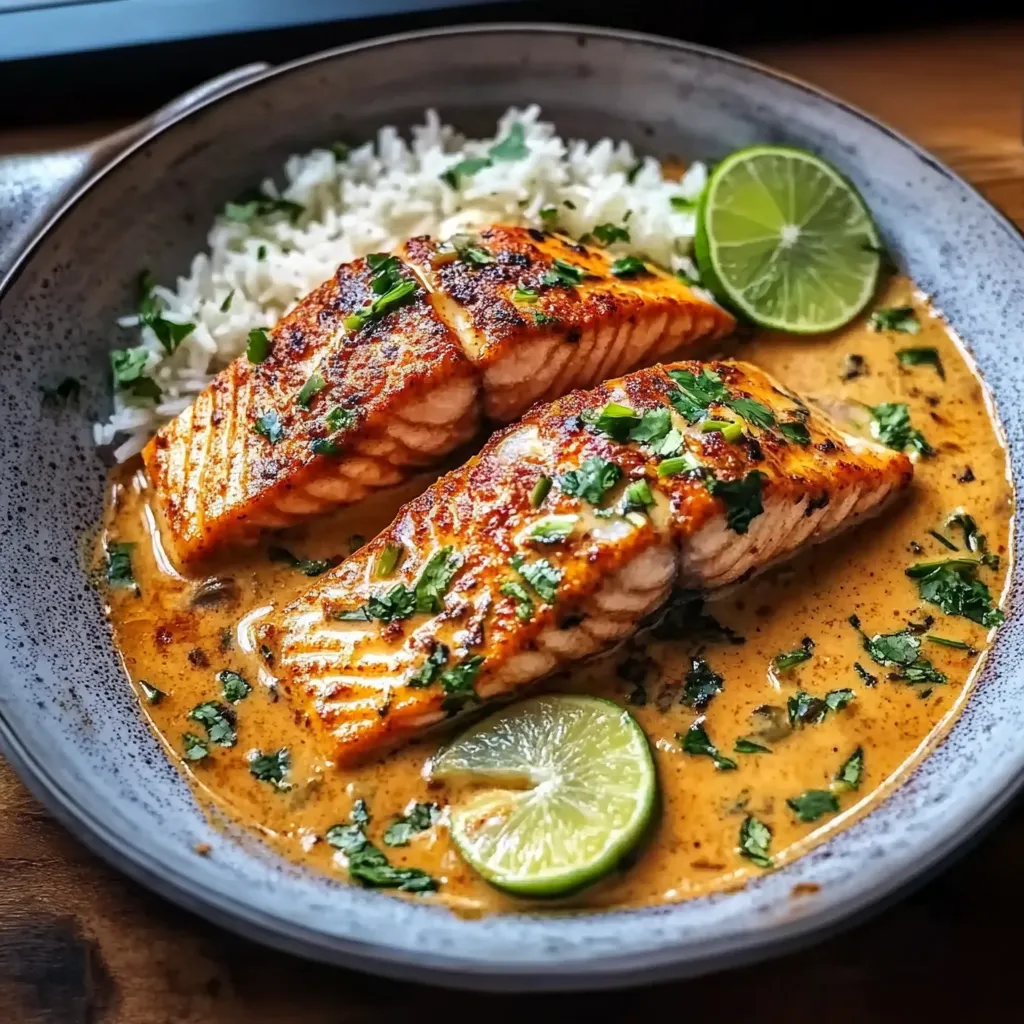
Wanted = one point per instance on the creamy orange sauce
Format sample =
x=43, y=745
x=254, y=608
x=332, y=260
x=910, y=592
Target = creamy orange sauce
x=179, y=646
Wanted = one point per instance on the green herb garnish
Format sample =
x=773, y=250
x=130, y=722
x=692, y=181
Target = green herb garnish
x=629, y=266
x=258, y=347
x=272, y=767
x=901, y=319
x=312, y=387
x=806, y=710
x=790, y=659
x=921, y=357
x=755, y=840
x=850, y=773
x=512, y=146
x=742, y=499
x=796, y=432
x=753, y=411
x=417, y=819
x=729, y=430
x=838, y=699
x=388, y=560
x=270, y=426
x=396, y=296
x=519, y=594
x=307, y=566
x=540, y=491
x=233, y=686
x=701, y=684
x=457, y=683
x=944, y=641
x=812, y=804
x=682, y=205
x=652, y=427
x=562, y=273
x=119, y=564
x=695, y=393
x=464, y=169
x=169, y=333
x=256, y=203
x=953, y=586
x=552, y=529
x=591, y=481
x=541, y=575
x=428, y=671
x=218, y=722
x=638, y=496
x=226, y=304
x=745, y=745
x=900, y=651
x=127, y=365
x=697, y=742
x=436, y=578
x=150, y=692
x=195, y=748
x=892, y=426
x=606, y=234
x=616, y=420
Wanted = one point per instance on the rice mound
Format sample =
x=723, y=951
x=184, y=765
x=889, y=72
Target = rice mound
x=372, y=198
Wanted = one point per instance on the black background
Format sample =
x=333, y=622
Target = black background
x=130, y=82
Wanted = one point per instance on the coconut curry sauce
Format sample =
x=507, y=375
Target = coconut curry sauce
x=789, y=726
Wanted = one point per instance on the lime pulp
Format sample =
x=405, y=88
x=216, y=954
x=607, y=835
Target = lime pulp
x=561, y=787
x=786, y=241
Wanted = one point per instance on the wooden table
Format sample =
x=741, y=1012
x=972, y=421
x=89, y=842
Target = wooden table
x=79, y=944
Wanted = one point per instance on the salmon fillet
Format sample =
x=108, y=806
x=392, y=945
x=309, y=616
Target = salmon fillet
x=561, y=537
x=393, y=364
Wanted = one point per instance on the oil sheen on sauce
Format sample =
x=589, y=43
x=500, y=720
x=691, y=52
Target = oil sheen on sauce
x=178, y=634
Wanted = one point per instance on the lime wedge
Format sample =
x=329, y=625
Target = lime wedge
x=562, y=787
x=785, y=240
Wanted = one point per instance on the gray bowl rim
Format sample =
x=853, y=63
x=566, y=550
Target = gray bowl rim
x=121, y=852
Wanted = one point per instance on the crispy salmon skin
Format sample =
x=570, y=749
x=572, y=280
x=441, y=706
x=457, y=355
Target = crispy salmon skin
x=561, y=536
x=394, y=363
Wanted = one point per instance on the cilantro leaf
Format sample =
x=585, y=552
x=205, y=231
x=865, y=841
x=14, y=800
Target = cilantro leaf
x=562, y=273
x=519, y=593
x=428, y=671
x=436, y=578
x=541, y=575
x=652, y=427
x=270, y=426
x=258, y=347
x=891, y=425
x=755, y=840
x=272, y=767
x=629, y=266
x=233, y=686
x=753, y=411
x=695, y=394
x=617, y=421
x=218, y=722
x=464, y=169
x=813, y=804
x=953, y=586
x=838, y=699
x=921, y=357
x=255, y=203
x=127, y=365
x=307, y=566
x=457, y=683
x=806, y=710
x=790, y=659
x=901, y=651
x=796, y=432
x=591, y=481
x=697, y=742
x=512, y=146
x=119, y=564
x=606, y=234
x=742, y=499
x=417, y=819
x=702, y=683
x=850, y=772
x=388, y=560
x=901, y=319
x=745, y=745
x=195, y=748
x=313, y=386
x=638, y=496
x=169, y=333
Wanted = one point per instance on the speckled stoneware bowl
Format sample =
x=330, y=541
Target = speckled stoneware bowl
x=68, y=720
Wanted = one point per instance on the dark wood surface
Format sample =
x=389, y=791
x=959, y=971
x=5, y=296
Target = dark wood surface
x=80, y=944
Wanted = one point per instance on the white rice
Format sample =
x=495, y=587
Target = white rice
x=372, y=200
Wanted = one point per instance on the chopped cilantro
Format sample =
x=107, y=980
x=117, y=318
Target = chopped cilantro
x=548, y=215
x=695, y=393
x=652, y=427
x=543, y=319
x=701, y=684
x=901, y=319
x=418, y=818
x=119, y=564
x=256, y=203
x=921, y=357
x=436, y=578
x=790, y=659
x=541, y=575
x=591, y=481
x=552, y=529
x=307, y=566
x=218, y=722
x=540, y=491
x=233, y=686
x=519, y=593
x=838, y=699
x=796, y=432
x=396, y=296
x=195, y=748
x=457, y=683
x=813, y=804
x=629, y=266
x=745, y=745
x=974, y=540
x=617, y=421
x=169, y=333
x=428, y=671
x=606, y=234
x=226, y=304
x=313, y=386
x=753, y=411
x=127, y=365
x=697, y=742
x=682, y=205
x=891, y=425
x=324, y=446
x=755, y=840
x=258, y=347
x=850, y=773
x=512, y=146
x=562, y=273
x=272, y=767
x=398, y=603
x=806, y=710
x=953, y=586
x=464, y=169
x=367, y=864
x=901, y=651
x=742, y=499
x=270, y=426
x=339, y=418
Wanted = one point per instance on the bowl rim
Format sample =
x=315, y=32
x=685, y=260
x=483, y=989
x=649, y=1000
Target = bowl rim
x=119, y=848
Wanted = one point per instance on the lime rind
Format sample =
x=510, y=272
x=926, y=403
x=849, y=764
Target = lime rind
x=786, y=241
x=572, y=790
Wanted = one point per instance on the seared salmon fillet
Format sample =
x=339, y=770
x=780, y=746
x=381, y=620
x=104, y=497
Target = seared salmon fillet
x=539, y=314
x=329, y=415
x=561, y=536
x=393, y=364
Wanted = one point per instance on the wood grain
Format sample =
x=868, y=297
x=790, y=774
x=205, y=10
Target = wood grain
x=79, y=944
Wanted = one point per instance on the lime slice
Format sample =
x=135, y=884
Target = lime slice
x=564, y=786
x=785, y=240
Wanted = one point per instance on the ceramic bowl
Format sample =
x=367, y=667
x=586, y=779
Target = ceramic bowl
x=71, y=725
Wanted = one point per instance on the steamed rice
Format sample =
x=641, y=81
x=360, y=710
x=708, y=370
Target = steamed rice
x=372, y=199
